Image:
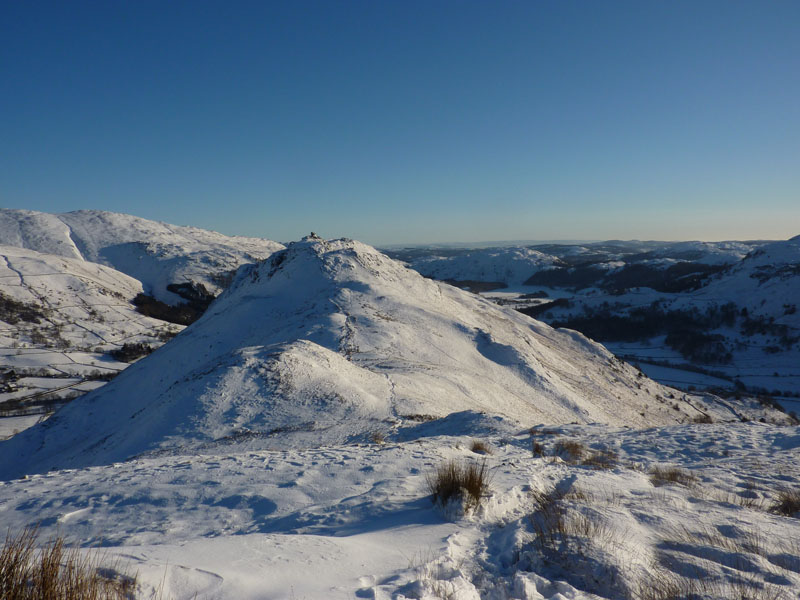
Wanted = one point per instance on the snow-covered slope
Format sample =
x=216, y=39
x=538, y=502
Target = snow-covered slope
x=60, y=317
x=329, y=342
x=70, y=302
x=709, y=253
x=766, y=282
x=154, y=253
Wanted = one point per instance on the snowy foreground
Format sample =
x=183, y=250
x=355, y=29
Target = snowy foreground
x=357, y=521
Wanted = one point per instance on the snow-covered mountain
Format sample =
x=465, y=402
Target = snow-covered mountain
x=725, y=309
x=329, y=342
x=157, y=254
x=511, y=266
x=515, y=265
x=766, y=282
x=246, y=478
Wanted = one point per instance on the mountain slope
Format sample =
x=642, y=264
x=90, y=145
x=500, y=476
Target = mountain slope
x=72, y=303
x=766, y=281
x=60, y=320
x=326, y=342
x=156, y=254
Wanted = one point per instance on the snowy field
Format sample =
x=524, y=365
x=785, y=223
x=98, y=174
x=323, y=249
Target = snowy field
x=357, y=521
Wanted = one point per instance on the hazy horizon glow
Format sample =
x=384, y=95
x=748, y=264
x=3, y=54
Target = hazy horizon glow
x=412, y=122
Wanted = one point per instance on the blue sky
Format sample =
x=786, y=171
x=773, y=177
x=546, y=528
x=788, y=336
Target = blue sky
x=409, y=121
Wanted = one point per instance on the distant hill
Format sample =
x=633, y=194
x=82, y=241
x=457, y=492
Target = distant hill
x=157, y=254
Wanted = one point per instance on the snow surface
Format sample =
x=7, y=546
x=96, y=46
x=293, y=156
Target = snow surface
x=357, y=520
x=154, y=253
x=85, y=312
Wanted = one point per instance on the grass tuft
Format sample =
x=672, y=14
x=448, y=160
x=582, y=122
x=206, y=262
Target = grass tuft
x=788, y=503
x=601, y=459
x=56, y=572
x=664, y=475
x=377, y=437
x=703, y=419
x=571, y=451
x=480, y=447
x=453, y=480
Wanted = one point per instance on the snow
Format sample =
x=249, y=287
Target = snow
x=84, y=311
x=281, y=447
x=357, y=520
x=154, y=253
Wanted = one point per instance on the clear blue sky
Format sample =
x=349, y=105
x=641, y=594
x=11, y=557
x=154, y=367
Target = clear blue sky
x=392, y=121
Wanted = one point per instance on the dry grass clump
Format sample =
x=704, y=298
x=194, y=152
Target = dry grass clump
x=664, y=585
x=537, y=448
x=557, y=527
x=576, y=453
x=56, y=572
x=601, y=459
x=664, y=475
x=480, y=447
x=571, y=451
x=377, y=437
x=454, y=480
x=703, y=419
x=537, y=431
x=788, y=503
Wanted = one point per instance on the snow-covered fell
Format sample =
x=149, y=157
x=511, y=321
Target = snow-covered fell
x=327, y=342
x=60, y=317
x=154, y=253
x=511, y=266
x=766, y=282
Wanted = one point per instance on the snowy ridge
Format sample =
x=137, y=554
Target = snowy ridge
x=327, y=342
x=156, y=254
x=514, y=265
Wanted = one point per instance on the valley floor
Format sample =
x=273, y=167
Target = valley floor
x=588, y=519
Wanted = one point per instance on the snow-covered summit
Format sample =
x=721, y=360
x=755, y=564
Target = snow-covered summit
x=155, y=253
x=328, y=342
